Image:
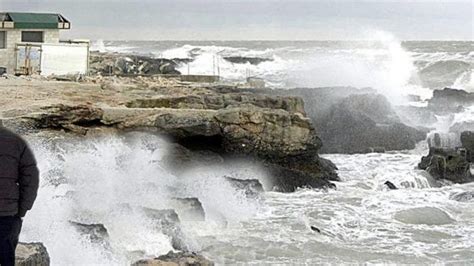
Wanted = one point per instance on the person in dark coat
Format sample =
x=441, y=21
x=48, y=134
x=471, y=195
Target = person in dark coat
x=19, y=180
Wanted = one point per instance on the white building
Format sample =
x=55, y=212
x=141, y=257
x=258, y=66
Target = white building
x=29, y=44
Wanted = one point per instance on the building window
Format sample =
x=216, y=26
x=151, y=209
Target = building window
x=3, y=40
x=31, y=36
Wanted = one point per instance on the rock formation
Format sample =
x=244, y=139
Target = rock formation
x=349, y=120
x=454, y=165
x=122, y=64
x=366, y=123
x=450, y=101
x=224, y=120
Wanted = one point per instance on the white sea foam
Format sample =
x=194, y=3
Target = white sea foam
x=109, y=181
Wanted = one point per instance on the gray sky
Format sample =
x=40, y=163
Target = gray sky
x=257, y=19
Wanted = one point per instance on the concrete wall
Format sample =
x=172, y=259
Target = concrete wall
x=13, y=36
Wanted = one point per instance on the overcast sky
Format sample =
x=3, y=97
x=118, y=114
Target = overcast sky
x=257, y=19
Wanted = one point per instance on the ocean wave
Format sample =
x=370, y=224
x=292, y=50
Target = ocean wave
x=394, y=68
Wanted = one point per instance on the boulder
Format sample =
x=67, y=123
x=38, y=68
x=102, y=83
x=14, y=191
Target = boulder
x=467, y=142
x=176, y=259
x=365, y=123
x=31, y=254
x=447, y=164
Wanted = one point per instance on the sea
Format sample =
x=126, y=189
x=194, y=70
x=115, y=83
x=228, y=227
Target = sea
x=361, y=222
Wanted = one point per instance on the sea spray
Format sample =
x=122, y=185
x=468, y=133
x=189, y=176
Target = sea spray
x=111, y=181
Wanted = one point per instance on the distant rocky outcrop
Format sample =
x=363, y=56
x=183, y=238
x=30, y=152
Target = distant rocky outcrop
x=366, y=123
x=453, y=164
x=176, y=259
x=450, y=100
x=31, y=254
x=245, y=60
x=226, y=121
x=122, y=64
x=350, y=120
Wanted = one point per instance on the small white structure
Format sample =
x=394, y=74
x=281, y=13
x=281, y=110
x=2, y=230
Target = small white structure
x=29, y=44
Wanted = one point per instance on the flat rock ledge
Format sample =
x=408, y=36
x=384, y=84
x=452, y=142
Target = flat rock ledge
x=232, y=122
x=31, y=254
x=176, y=259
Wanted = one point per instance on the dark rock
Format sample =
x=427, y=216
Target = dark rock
x=315, y=229
x=289, y=180
x=71, y=118
x=450, y=100
x=97, y=233
x=245, y=60
x=359, y=123
x=176, y=259
x=447, y=164
x=120, y=64
x=252, y=187
x=467, y=141
x=390, y=185
x=31, y=254
x=350, y=120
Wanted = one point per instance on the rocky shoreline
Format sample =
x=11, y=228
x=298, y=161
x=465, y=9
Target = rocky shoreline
x=281, y=131
x=221, y=121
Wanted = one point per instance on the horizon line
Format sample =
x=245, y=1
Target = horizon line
x=278, y=40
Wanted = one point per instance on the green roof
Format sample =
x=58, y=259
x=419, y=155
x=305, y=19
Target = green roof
x=34, y=20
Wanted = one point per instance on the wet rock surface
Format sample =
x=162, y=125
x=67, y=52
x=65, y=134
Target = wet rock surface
x=178, y=259
x=188, y=209
x=168, y=222
x=31, y=254
x=251, y=187
x=453, y=164
x=96, y=233
x=122, y=64
x=350, y=120
x=366, y=123
x=450, y=100
x=220, y=120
